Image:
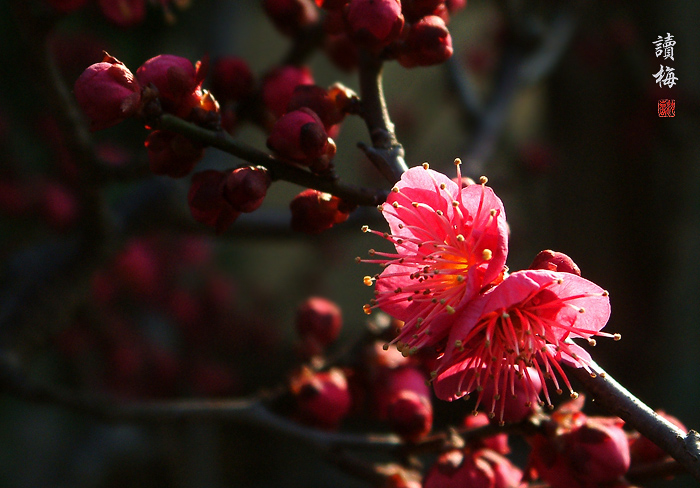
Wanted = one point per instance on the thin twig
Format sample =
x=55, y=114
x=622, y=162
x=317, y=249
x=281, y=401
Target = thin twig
x=684, y=448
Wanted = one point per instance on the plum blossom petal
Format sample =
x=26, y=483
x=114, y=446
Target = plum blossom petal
x=528, y=320
x=451, y=244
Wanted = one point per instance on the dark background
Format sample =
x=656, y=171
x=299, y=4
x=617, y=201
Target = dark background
x=583, y=164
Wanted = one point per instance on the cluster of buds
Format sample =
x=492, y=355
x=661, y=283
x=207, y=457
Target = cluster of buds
x=307, y=115
x=412, y=31
x=109, y=93
x=482, y=468
x=163, y=323
x=577, y=451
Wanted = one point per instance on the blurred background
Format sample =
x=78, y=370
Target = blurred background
x=572, y=143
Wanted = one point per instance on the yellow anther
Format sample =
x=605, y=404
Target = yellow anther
x=560, y=281
x=483, y=180
x=371, y=252
x=493, y=212
x=617, y=337
x=455, y=203
x=460, y=279
x=395, y=189
x=358, y=259
x=458, y=161
x=425, y=165
x=486, y=254
x=581, y=310
x=385, y=346
x=442, y=186
x=395, y=204
x=365, y=228
x=450, y=309
x=415, y=204
x=505, y=315
x=367, y=280
x=592, y=342
x=458, y=343
x=574, y=395
x=367, y=309
x=380, y=207
x=605, y=293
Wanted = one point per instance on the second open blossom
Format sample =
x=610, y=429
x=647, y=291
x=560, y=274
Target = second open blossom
x=451, y=243
x=519, y=332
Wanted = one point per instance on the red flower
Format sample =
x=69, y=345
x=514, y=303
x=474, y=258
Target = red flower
x=527, y=320
x=450, y=244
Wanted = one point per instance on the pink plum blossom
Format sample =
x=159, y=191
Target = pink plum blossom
x=451, y=244
x=528, y=320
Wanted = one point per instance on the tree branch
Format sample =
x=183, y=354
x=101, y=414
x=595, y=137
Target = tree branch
x=386, y=153
x=684, y=448
x=278, y=169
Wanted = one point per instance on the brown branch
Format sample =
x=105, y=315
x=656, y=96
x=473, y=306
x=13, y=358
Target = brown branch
x=250, y=411
x=278, y=169
x=386, y=153
x=684, y=448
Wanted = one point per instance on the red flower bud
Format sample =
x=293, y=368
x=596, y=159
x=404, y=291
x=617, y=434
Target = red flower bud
x=278, y=87
x=245, y=188
x=323, y=398
x=314, y=211
x=457, y=468
x=342, y=51
x=291, y=16
x=231, y=79
x=124, y=13
x=108, y=93
x=555, y=261
x=402, y=397
x=497, y=443
x=207, y=202
x=599, y=450
x=588, y=453
x=299, y=136
x=319, y=101
x=172, y=154
x=410, y=415
x=428, y=43
x=505, y=473
x=175, y=78
x=374, y=23
x=319, y=319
